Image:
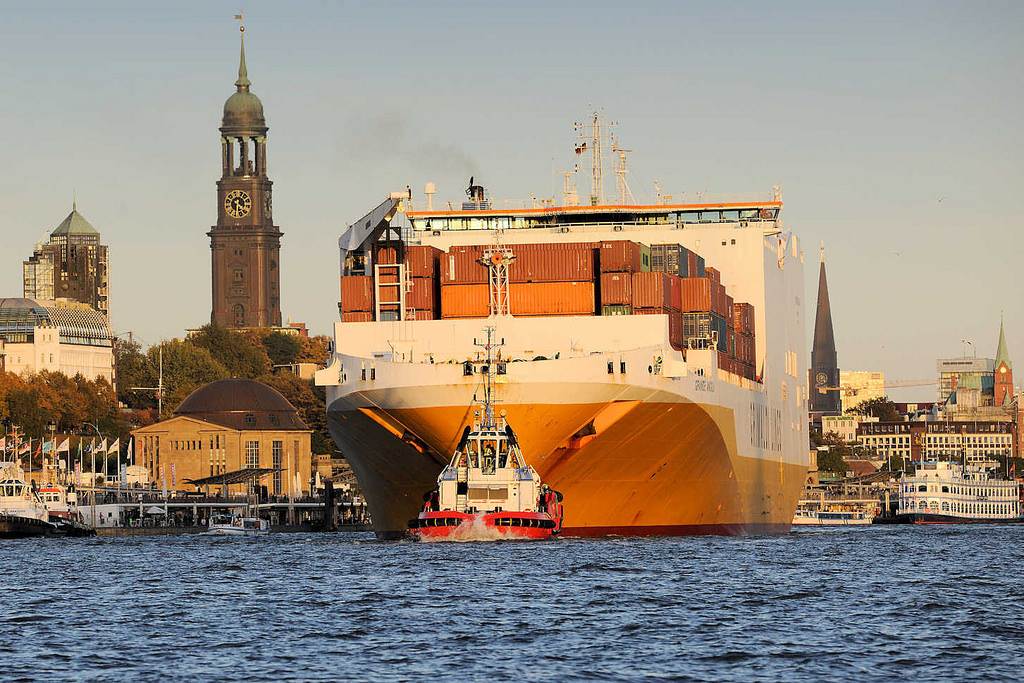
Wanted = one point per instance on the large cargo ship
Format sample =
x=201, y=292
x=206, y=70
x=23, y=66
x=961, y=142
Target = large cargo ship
x=653, y=363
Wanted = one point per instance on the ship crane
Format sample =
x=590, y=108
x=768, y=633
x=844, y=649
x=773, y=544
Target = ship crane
x=849, y=390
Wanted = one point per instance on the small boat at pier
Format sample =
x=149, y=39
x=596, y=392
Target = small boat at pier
x=236, y=525
x=488, y=491
x=22, y=513
x=62, y=507
x=807, y=517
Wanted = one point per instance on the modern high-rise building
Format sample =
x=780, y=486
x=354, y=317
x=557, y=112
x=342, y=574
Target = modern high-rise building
x=859, y=386
x=245, y=244
x=824, y=371
x=71, y=265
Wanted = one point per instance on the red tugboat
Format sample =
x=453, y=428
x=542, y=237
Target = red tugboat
x=488, y=491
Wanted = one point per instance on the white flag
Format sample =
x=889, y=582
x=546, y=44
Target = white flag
x=64, y=446
x=114, y=447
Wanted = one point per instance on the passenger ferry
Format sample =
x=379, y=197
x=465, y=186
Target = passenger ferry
x=488, y=489
x=951, y=492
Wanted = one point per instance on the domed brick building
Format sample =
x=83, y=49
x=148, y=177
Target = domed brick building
x=227, y=426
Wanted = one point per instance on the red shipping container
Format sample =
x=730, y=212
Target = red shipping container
x=720, y=301
x=525, y=299
x=570, y=262
x=616, y=288
x=357, y=317
x=696, y=295
x=465, y=301
x=728, y=309
x=551, y=298
x=356, y=293
x=421, y=295
x=620, y=256
x=461, y=265
x=420, y=260
x=743, y=318
x=712, y=274
x=656, y=290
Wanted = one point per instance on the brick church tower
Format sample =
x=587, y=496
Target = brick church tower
x=245, y=243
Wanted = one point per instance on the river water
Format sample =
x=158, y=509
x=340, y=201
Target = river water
x=903, y=603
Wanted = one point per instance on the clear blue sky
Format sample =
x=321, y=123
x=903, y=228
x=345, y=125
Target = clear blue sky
x=893, y=129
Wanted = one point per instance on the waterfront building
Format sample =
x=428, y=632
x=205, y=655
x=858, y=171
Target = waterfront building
x=245, y=244
x=56, y=336
x=977, y=441
x=889, y=439
x=71, y=265
x=227, y=426
x=978, y=388
x=823, y=378
x=845, y=426
x=859, y=386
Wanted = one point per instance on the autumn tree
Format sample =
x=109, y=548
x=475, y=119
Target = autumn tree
x=239, y=357
x=134, y=369
x=282, y=348
x=186, y=368
x=880, y=407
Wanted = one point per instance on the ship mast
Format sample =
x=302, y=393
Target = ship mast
x=488, y=403
x=591, y=139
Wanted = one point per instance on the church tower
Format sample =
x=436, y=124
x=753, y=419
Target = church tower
x=245, y=243
x=1003, y=384
x=824, y=372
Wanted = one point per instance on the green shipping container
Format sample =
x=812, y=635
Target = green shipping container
x=617, y=309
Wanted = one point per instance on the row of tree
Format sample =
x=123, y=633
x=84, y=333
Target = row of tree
x=212, y=353
x=80, y=405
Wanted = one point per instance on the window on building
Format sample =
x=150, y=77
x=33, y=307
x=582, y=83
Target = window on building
x=277, y=450
x=252, y=454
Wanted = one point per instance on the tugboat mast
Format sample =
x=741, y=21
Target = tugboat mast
x=488, y=402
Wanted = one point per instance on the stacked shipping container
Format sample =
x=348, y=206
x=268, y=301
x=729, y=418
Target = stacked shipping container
x=617, y=277
x=544, y=279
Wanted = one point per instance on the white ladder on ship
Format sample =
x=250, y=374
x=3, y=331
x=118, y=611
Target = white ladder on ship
x=462, y=499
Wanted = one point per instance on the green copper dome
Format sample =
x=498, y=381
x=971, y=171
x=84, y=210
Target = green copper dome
x=243, y=112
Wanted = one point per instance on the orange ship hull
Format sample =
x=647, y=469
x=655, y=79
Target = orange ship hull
x=631, y=467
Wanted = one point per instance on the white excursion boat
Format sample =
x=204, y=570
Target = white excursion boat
x=62, y=506
x=952, y=492
x=22, y=513
x=235, y=525
x=806, y=517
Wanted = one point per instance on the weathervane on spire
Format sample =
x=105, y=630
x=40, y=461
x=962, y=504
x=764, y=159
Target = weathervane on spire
x=241, y=23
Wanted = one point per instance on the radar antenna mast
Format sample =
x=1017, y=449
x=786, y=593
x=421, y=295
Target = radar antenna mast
x=591, y=139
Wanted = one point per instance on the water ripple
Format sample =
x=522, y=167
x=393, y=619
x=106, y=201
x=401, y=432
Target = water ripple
x=926, y=603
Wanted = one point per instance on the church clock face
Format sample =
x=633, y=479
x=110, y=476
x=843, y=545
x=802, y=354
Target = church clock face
x=821, y=379
x=237, y=203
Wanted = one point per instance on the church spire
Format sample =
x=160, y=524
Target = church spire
x=243, y=75
x=824, y=380
x=1002, y=355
